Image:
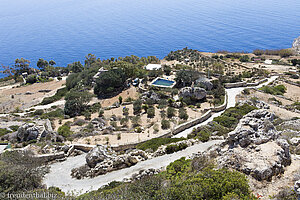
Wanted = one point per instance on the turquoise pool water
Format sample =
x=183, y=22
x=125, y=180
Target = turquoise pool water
x=163, y=82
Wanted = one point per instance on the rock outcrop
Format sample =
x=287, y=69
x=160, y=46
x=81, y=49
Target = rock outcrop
x=32, y=131
x=193, y=92
x=101, y=159
x=296, y=45
x=254, y=128
x=254, y=148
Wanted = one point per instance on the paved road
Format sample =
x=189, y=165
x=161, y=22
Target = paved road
x=59, y=175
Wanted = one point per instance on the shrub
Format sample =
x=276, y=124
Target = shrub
x=38, y=112
x=274, y=90
x=178, y=167
x=20, y=171
x=151, y=112
x=175, y=147
x=157, y=142
x=170, y=112
x=4, y=131
x=232, y=115
x=137, y=106
x=64, y=131
x=165, y=124
x=101, y=112
x=53, y=114
x=183, y=114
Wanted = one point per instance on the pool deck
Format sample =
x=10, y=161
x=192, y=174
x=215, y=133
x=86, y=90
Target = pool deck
x=163, y=86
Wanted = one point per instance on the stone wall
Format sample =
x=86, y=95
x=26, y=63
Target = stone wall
x=244, y=84
x=221, y=107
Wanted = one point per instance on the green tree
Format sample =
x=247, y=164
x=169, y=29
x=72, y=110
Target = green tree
x=42, y=64
x=151, y=112
x=183, y=114
x=21, y=66
x=170, y=112
x=75, y=67
x=137, y=106
x=110, y=82
x=89, y=60
x=52, y=62
x=76, y=102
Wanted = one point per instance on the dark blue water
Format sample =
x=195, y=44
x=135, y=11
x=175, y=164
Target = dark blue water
x=67, y=30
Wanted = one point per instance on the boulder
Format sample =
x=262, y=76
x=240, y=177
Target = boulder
x=31, y=131
x=193, y=92
x=97, y=155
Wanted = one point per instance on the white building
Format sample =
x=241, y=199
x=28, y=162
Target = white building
x=268, y=62
x=153, y=67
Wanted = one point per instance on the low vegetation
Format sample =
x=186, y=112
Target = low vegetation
x=180, y=181
x=274, y=90
x=154, y=143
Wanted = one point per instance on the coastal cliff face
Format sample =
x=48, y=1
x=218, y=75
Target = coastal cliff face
x=296, y=45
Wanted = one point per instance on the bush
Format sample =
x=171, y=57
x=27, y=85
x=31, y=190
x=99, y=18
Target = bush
x=53, y=114
x=137, y=106
x=150, y=112
x=183, y=114
x=20, y=171
x=64, y=131
x=231, y=116
x=165, y=124
x=31, y=79
x=170, y=112
x=175, y=147
x=178, y=167
x=157, y=142
x=38, y=112
x=4, y=131
x=58, y=95
x=274, y=90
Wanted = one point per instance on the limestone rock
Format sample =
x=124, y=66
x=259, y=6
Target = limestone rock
x=255, y=127
x=97, y=155
x=296, y=45
x=196, y=92
x=31, y=131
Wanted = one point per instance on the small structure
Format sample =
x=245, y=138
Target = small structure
x=153, y=67
x=293, y=71
x=268, y=62
x=101, y=70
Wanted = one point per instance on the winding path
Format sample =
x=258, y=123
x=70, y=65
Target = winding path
x=232, y=93
x=59, y=174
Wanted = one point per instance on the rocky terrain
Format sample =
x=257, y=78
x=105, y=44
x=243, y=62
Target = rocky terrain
x=257, y=149
x=102, y=159
x=296, y=44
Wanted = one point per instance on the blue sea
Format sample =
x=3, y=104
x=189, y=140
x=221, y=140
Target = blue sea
x=67, y=30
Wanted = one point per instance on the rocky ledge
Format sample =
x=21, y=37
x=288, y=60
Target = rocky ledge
x=254, y=148
x=102, y=159
x=296, y=45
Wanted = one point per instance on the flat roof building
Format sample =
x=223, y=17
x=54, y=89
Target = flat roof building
x=153, y=67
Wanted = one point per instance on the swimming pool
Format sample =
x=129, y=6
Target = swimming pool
x=160, y=82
